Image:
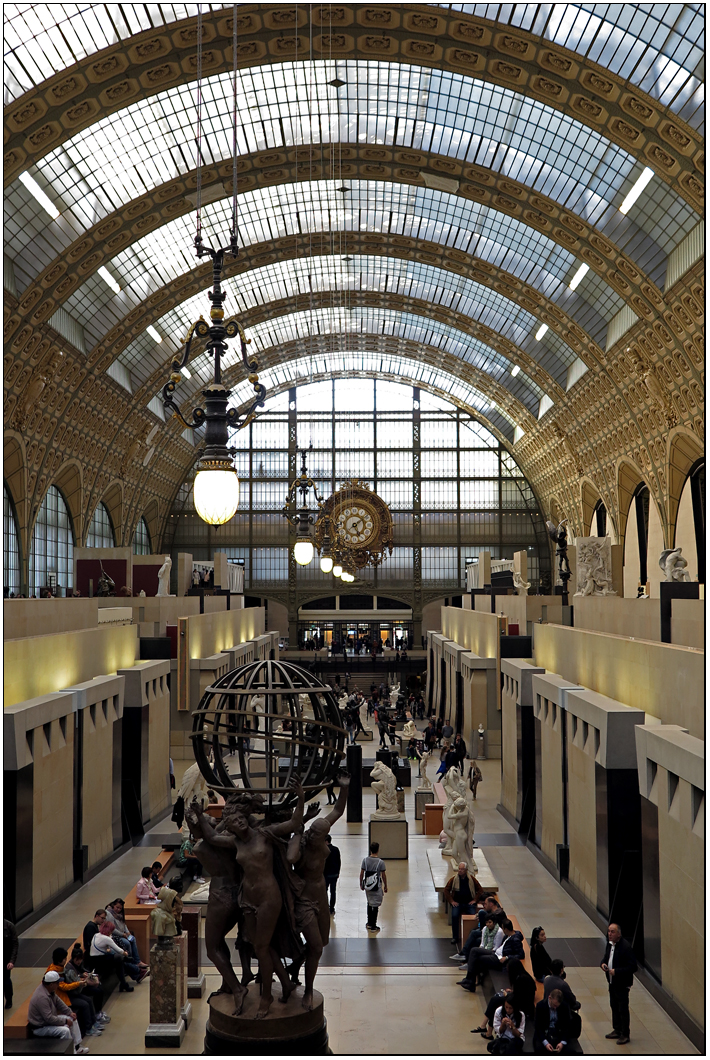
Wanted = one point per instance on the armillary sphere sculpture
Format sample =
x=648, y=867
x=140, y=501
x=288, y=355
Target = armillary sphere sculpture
x=267, y=736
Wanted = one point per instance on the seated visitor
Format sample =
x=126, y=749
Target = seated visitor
x=49, y=1017
x=552, y=1025
x=146, y=893
x=491, y=909
x=557, y=980
x=120, y=931
x=541, y=963
x=509, y=1028
x=157, y=875
x=107, y=957
x=463, y=892
x=480, y=959
x=74, y=971
x=70, y=994
x=521, y=991
x=186, y=859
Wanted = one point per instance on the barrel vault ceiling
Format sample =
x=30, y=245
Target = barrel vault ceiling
x=418, y=187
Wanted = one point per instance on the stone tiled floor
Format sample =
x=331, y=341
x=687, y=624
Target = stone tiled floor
x=399, y=1010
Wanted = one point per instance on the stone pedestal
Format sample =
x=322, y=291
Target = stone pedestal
x=191, y=928
x=421, y=798
x=393, y=837
x=167, y=1023
x=287, y=1030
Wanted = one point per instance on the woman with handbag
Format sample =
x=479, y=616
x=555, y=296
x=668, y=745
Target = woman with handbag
x=373, y=881
x=509, y=1027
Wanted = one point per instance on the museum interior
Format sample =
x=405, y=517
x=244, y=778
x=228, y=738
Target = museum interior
x=406, y=298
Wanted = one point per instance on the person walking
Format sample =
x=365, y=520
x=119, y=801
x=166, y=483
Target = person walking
x=373, y=881
x=10, y=946
x=619, y=964
x=331, y=871
x=475, y=777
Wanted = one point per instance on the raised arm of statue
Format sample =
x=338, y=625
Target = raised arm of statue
x=338, y=810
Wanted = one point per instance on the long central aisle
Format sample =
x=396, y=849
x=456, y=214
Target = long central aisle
x=394, y=993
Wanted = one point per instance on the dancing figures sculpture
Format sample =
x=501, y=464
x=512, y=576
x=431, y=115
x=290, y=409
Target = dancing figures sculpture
x=673, y=565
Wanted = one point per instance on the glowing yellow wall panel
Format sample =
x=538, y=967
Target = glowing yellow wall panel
x=35, y=666
x=473, y=630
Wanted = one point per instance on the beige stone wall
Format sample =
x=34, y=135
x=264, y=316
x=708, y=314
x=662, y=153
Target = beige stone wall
x=682, y=883
x=52, y=836
x=97, y=720
x=688, y=623
x=581, y=812
x=664, y=680
x=158, y=743
x=35, y=666
x=38, y=618
x=509, y=750
x=551, y=770
x=619, y=615
x=473, y=630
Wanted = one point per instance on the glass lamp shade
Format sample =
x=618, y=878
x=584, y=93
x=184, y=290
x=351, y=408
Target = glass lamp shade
x=347, y=577
x=216, y=495
x=338, y=570
x=326, y=564
x=303, y=551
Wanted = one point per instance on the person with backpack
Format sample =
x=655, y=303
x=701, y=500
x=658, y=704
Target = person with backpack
x=373, y=881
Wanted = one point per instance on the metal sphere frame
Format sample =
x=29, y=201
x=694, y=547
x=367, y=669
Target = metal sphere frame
x=314, y=748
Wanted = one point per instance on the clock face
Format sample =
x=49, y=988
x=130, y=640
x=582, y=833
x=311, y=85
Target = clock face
x=357, y=524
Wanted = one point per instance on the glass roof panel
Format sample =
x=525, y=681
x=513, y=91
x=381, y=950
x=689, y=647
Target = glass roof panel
x=658, y=47
x=304, y=370
x=423, y=214
x=116, y=159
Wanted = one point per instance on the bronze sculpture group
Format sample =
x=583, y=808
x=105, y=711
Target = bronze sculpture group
x=267, y=880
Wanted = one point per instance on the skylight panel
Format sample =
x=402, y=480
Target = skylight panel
x=42, y=198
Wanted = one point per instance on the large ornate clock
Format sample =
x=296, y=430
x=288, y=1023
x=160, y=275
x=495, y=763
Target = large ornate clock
x=360, y=524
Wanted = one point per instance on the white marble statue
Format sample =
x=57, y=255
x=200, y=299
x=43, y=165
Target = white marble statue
x=594, y=566
x=520, y=584
x=673, y=565
x=164, y=578
x=142, y=593
x=193, y=786
x=456, y=788
x=425, y=783
x=462, y=842
x=409, y=729
x=384, y=785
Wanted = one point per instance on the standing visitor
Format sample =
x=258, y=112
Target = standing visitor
x=619, y=965
x=10, y=946
x=331, y=871
x=373, y=881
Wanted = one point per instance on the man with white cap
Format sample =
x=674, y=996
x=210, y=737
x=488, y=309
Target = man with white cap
x=49, y=1017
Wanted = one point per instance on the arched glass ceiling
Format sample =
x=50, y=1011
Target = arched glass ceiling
x=658, y=47
x=373, y=206
x=304, y=369
x=373, y=321
x=272, y=283
x=118, y=158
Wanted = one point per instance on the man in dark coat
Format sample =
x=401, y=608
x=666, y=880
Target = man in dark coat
x=619, y=964
x=552, y=1025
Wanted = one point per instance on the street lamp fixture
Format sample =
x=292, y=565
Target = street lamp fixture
x=302, y=519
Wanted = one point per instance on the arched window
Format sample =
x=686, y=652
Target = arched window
x=642, y=499
x=11, y=548
x=599, y=520
x=101, y=531
x=52, y=550
x=141, y=539
x=690, y=521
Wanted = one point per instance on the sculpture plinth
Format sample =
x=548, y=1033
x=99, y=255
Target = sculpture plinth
x=288, y=1029
x=393, y=837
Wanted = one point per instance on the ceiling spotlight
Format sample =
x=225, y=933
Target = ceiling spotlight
x=636, y=190
x=42, y=198
x=515, y=369
x=578, y=277
x=153, y=333
x=541, y=331
x=108, y=278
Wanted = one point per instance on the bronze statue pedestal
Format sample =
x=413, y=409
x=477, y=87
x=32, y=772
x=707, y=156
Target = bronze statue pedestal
x=287, y=1029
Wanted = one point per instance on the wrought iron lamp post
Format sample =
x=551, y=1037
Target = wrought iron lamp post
x=302, y=518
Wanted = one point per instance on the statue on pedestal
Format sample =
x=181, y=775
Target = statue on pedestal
x=559, y=536
x=105, y=585
x=410, y=728
x=456, y=789
x=164, y=578
x=384, y=785
x=520, y=584
x=673, y=565
x=164, y=917
x=425, y=784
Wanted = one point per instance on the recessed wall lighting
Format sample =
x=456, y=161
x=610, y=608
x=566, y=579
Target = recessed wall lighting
x=636, y=190
x=541, y=331
x=42, y=198
x=578, y=277
x=108, y=278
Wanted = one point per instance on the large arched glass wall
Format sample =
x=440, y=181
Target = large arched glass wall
x=52, y=550
x=100, y=533
x=11, y=547
x=141, y=539
x=453, y=490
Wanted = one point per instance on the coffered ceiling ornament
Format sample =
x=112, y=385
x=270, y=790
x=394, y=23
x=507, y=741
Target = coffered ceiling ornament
x=360, y=522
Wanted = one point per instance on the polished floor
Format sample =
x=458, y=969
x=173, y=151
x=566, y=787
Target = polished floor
x=395, y=993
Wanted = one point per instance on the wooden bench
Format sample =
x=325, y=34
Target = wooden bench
x=132, y=906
